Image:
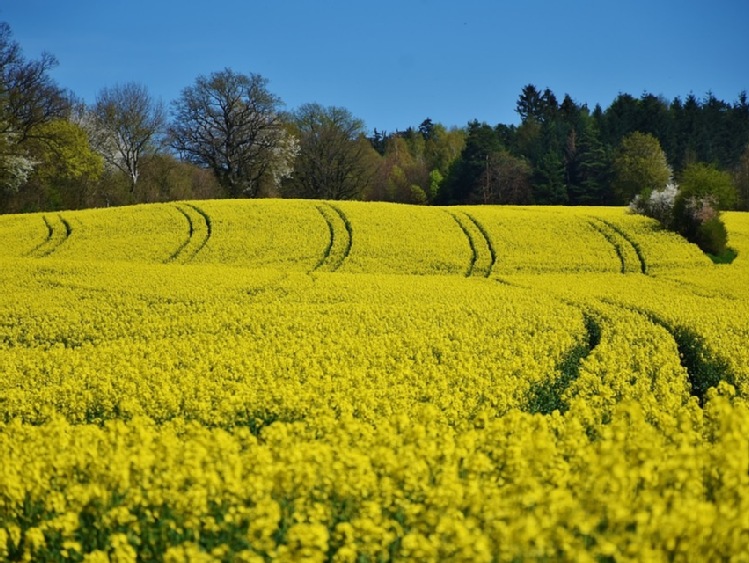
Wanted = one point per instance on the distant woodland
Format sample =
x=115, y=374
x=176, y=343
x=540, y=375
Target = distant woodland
x=228, y=136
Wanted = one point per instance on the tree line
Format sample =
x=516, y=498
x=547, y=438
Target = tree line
x=228, y=135
x=563, y=153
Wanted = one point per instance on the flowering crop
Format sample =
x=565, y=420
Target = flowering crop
x=340, y=381
x=142, y=233
x=658, y=248
x=521, y=239
x=269, y=348
x=738, y=228
x=401, y=239
x=22, y=235
x=286, y=234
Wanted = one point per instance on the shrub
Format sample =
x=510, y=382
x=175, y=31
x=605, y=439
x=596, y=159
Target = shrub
x=712, y=236
x=703, y=180
x=658, y=204
x=691, y=212
x=695, y=217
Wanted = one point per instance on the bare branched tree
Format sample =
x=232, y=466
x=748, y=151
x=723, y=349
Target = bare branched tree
x=127, y=124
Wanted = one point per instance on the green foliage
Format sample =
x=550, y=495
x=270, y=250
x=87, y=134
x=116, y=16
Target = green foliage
x=65, y=153
x=442, y=146
x=534, y=105
x=639, y=166
x=698, y=220
x=562, y=144
x=548, y=181
x=712, y=236
x=702, y=180
x=465, y=176
x=60, y=169
x=397, y=172
x=435, y=181
x=417, y=195
x=575, y=156
x=693, y=210
x=420, y=157
x=741, y=181
x=586, y=165
x=726, y=257
x=331, y=162
x=506, y=180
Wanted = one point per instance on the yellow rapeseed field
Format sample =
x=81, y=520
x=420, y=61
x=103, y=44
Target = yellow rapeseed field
x=347, y=381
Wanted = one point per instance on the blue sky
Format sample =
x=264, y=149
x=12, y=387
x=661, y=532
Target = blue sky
x=394, y=63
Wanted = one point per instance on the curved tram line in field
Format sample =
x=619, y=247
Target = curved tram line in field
x=480, y=262
x=547, y=396
x=331, y=255
x=341, y=239
x=471, y=243
x=650, y=377
x=614, y=239
x=331, y=238
x=643, y=266
x=188, y=240
x=57, y=233
x=487, y=246
x=705, y=368
x=199, y=231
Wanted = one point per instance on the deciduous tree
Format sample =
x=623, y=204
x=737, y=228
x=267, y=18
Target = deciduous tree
x=639, y=166
x=29, y=98
x=127, y=125
x=29, y=95
x=230, y=123
x=702, y=180
x=332, y=162
x=506, y=180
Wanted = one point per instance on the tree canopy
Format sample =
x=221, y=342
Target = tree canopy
x=127, y=122
x=226, y=135
x=702, y=180
x=331, y=163
x=639, y=165
x=230, y=122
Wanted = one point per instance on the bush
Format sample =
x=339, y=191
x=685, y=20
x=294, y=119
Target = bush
x=712, y=236
x=658, y=204
x=702, y=180
x=691, y=212
x=696, y=218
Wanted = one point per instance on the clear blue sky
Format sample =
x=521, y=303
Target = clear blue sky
x=394, y=63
